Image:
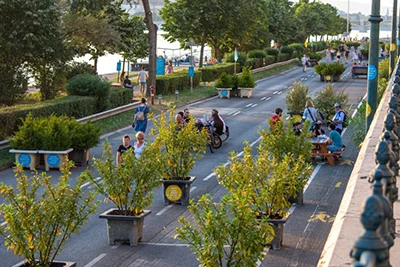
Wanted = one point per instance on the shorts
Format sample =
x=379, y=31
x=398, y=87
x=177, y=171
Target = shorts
x=143, y=83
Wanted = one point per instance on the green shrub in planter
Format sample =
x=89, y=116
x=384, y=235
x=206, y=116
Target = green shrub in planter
x=225, y=81
x=84, y=136
x=29, y=136
x=319, y=69
x=315, y=56
x=335, y=68
x=42, y=215
x=327, y=98
x=246, y=80
x=384, y=69
x=365, y=52
x=90, y=85
x=355, y=44
x=257, y=54
x=272, y=51
x=56, y=133
x=297, y=97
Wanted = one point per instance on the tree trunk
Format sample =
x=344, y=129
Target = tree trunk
x=152, y=28
x=95, y=58
x=201, y=52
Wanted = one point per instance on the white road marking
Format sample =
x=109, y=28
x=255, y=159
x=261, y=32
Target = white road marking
x=265, y=252
x=302, y=79
x=306, y=79
x=237, y=113
x=231, y=112
x=263, y=98
x=164, y=209
x=209, y=176
x=287, y=86
x=87, y=183
x=253, y=106
x=3, y=223
x=312, y=216
x=193, y=188
x=96, y=260
x=280, y=92
x=164, y=244
x=199, y=102
x=268, y=98
x=275, y=92
x=309, y=76
x=116, y=246
x=249, y=105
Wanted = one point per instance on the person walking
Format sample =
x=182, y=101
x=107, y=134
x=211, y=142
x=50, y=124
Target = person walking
x=304, y=62
x=170, y=68
x=126, y=145
x=141, y=116
x=139, y=144
x=142, y=77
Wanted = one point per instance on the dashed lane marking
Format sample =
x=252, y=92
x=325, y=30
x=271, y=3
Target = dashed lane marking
x=237, y=113
x=263, y=98
x=231, y=112
x=3, y=223
x=161, y=212
x=209, y=176
x=275, y=92
x=249, y=105
x=254, y=105
x=268, y=98
x=96, y=260
x=192, y=189
x=280, y=92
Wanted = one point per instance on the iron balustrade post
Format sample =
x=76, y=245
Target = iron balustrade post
x=393, y=46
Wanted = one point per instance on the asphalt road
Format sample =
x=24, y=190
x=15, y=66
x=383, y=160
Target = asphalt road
x=158, y=248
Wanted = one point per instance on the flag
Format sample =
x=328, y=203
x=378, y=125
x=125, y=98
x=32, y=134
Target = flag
x=236, y=57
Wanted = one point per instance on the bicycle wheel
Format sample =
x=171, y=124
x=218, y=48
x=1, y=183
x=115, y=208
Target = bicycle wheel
x=217, y=141
x=224, y=136
x=209, y=142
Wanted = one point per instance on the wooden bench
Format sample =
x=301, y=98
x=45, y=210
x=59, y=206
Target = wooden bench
x=338, y=154
x=324, y=153
x=359, y=71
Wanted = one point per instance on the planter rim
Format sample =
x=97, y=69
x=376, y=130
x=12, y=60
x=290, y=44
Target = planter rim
x=192, y=178
x=67, y=263
x=245, y=88
x=105, y=215
x=23, y=151
x=283, y=220
x=222, y=88
x=55, y=151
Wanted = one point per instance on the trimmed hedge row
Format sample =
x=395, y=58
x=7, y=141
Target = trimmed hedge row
x=176, y=81
x=211, y=73
x=72, y=106
x=119, y=97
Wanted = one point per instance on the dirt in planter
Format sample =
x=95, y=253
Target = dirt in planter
x=124, y=213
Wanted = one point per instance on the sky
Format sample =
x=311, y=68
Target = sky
x=363, y=6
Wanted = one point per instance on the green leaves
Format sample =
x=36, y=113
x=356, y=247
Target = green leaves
x=297, y=97
x=129, y=185
x=39, y=224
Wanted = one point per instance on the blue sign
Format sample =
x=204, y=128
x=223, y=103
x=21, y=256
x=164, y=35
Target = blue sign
x=53, y=160
x=398, y=42
x=191, y=71
x=24, y=159
x=160, y=66
x=372, y=72
x=119, y=66
x=224, y=93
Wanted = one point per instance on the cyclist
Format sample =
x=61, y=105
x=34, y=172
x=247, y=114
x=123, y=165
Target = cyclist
x=216, y=117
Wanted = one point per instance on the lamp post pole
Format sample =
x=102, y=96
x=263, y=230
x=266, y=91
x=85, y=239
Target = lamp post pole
x=393, y=46
x=375, y=20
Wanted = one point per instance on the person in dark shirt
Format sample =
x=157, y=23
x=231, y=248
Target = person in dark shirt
x=123, y=148
x=297, y=128
x=127, y=83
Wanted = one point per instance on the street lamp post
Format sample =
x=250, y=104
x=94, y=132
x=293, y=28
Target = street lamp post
x=375, y=20
x=393, y=46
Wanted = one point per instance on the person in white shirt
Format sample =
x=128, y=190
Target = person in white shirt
x=304, y=63
x=139, y=144
x=338, y=119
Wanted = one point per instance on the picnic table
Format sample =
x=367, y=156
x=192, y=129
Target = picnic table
x=359, y=71
x=320, y=149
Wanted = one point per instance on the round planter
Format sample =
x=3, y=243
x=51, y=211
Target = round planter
x=126, y=229
x=177, y=191
x=53, y=264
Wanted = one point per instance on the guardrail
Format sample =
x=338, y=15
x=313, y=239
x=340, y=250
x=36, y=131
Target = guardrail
x=95, y=117
x=274, y=65
x=372, y=248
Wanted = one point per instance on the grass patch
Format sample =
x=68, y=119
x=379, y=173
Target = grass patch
x=273, y=71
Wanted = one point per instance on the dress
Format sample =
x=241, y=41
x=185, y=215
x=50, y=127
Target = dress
x=142, y=125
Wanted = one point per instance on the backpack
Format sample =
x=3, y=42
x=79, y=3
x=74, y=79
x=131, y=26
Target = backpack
x=345, y=120
x=139, y=116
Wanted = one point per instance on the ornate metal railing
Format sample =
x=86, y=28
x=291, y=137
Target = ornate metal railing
x=373, y=247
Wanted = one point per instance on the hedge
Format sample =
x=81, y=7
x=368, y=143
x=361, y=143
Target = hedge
x=254, y=63
x=72, y=106
x=230, y=58
x=176, y=81
x=283, y=57
x=211, y=73
x=256, y=54
x=120, y=96
x=270, y=60
x=272, y=51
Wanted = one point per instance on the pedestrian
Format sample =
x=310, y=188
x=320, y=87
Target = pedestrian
x=139, y=144
x=304, y=62
x=360, y=57
x=297, y=128
x=338, y=119
x=346, y=55
x=141, y=116
x=186, y=115
x=277, y=116
x=170, y=68
x=127, y=83
x=355, y=57
x=338, y=56
x=122, y=78
x=334, y=140
x=142, y=77
x=126, y=145
x=328, y=54
x=333, y=54
x=310, y=113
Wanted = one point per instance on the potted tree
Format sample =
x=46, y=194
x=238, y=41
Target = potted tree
x=41, y=215
x=226, y=233
x=327, y=98
x=180, y=146
x=319, y=69
x=129, y=186
x=26, y=142
x=84, y=137
x=296, y=100
x=224, y=85
x=246, y=83
x=268, y=181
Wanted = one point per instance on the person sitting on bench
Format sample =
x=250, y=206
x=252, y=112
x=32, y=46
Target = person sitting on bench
x=334, y=140
x=127, y=82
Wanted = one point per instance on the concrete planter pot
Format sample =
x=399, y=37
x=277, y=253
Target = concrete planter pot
x=322, y=78
x=245, y=92
x=278, y=225
x=298, y=199
x=27, y=158
x=177, y=191
x=332, y=78
x=224, y=92
x=53, y=264
x=80, y=157
x=54, y=159
x=127, y=229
